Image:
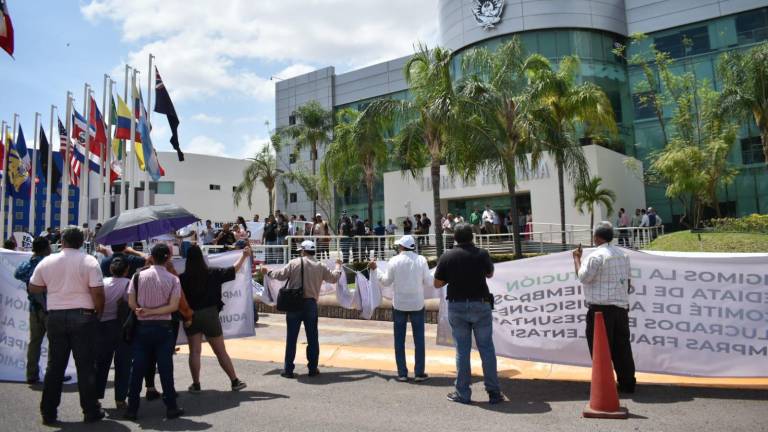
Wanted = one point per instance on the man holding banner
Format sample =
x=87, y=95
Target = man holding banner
x=605, y=277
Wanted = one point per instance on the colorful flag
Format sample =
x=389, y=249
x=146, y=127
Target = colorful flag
x=19, y=168
x=124, y=121
x=96, y=122
x=149, y=156
x=164, y=105
x=6, y=29
x=74, y=164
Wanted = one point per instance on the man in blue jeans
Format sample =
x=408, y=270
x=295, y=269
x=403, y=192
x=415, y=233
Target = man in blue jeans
x=407, y=274
x=465, y=269
x=309, y=273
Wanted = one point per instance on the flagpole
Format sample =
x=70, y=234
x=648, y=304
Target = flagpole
x=124, y=152
x=132, y=177
x=66, y=165
x=33, y=185
x=4, y=166
x=150, y=75
x=84, y=207
x=12, y=201
x=101, y=192
x=49, y=181
x=107, y=202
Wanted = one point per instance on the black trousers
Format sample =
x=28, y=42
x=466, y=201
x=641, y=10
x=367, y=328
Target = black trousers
x=617, y=328
x=71, y=331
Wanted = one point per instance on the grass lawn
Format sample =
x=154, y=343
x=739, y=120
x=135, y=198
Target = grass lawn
x=685, y=241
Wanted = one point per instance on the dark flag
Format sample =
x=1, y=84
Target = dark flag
x=42, y=160
x=164, y=105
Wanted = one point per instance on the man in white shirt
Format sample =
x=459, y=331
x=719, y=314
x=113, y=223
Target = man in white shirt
x=488, y=216
x=408, y=274
x=605, y=277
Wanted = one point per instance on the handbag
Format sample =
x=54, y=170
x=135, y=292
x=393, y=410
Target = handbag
x=291, y=299
x=129, y=325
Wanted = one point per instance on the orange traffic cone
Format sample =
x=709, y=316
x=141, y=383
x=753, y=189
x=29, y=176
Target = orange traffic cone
x=603, y=396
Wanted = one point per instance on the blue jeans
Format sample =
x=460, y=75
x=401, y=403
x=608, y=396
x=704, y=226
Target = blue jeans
x=110, y=345
x=152, y=340
x=293, y=320
x=400, y=319
x=70, y=331
x=466, y=318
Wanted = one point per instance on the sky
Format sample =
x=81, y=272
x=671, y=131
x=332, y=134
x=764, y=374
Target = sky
x=215, y=57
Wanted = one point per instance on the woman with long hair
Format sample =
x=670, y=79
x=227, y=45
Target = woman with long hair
x=202, y=287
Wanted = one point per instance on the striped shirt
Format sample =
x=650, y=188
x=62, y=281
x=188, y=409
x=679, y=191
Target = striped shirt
x=605, y=276
x=156, y=287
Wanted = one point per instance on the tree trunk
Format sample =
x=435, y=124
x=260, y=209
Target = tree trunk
x=435, y=177
x=591, y=225
x=561, y=192
x=511, y=184
x=271, y=195
x=764, y=138
x=369, y=187
x=313, y=156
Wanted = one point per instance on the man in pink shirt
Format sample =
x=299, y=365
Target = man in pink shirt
x=154, y=295
x=75, y=290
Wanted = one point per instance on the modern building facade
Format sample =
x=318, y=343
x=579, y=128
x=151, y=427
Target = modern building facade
x=202, y=184
x=590, y=29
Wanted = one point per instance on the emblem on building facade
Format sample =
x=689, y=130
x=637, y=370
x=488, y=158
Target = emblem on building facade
x=487, y=12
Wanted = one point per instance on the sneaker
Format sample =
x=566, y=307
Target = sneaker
x=93, y=418
x=314, y=372
x=238, y=385
x=130, y=414
x=625, y=388
x=51, y=421
x=455, y=397
x=402, y=379
x=421, y=378
x=67, y=378
x=495, y=398
x=173, y=413
x=194, y=388
x=121, y=405
x=289, y=375
x=152, y=394
x=34, y=380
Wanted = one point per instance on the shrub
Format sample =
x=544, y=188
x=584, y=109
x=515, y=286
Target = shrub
x=753, y=223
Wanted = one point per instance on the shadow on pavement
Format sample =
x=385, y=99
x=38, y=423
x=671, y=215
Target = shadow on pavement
x=334, y=377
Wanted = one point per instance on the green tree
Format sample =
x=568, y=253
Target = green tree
x=428, y=119
x=567, y=110
x=745, y=88
x=358, y=150
x=494, y=94
x=312, y=130
x=697, y=133
x=261, y=169
x=590, y=194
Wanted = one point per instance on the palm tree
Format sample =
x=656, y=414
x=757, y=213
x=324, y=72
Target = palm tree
x=745, y=87
x=358, y=150
x=566, y=108
x=263, y=168
x=494, y=91
x=589, y=194
x=312, y=129
x=429, y=119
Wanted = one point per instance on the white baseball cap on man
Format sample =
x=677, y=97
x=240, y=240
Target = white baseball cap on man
x=406, y=241
x=307, y=245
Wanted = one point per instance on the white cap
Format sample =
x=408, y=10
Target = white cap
x=318, y=215
x=307, y=245
x=406, y=241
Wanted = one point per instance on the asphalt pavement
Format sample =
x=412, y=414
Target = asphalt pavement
x=341, y=400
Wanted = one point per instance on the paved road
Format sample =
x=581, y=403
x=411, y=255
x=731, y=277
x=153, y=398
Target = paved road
x=358, y=400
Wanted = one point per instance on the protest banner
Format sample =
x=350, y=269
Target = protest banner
x=697, y=316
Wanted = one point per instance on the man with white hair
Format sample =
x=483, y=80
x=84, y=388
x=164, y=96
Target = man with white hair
x=605, y=277
x=309, y=273
x=407, y=273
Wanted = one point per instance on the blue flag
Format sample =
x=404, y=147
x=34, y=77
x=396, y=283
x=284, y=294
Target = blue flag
x=19, y=167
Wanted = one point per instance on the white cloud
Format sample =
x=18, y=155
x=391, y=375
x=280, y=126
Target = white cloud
x=252, y=145
x=205, y=118
x=199, y=45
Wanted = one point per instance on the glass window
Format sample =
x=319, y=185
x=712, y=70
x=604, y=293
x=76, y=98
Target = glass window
x=643, y=104
x=292, y=119
x=292, y=158
x=293, y=197
x=547, y=44
x=752, y=26
x=685, y=42
x=214, y=187
x=752, y=151
x=564, y=46
x=166, y=188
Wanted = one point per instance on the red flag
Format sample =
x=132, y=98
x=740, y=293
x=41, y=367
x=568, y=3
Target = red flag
x=6, y=29
x=96, y=122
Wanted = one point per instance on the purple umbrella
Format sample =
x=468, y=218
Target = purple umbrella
x=144, y=223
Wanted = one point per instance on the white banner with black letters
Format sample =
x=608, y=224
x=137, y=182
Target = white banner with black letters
x=699, y=315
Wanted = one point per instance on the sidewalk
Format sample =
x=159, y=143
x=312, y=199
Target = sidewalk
x=360, y=344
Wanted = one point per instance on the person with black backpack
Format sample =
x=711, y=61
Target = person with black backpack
x=307, y=274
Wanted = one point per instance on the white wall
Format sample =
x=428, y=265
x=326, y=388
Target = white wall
x=192, y=179
x=402, y=194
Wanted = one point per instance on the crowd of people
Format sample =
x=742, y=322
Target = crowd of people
x=125, y=310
